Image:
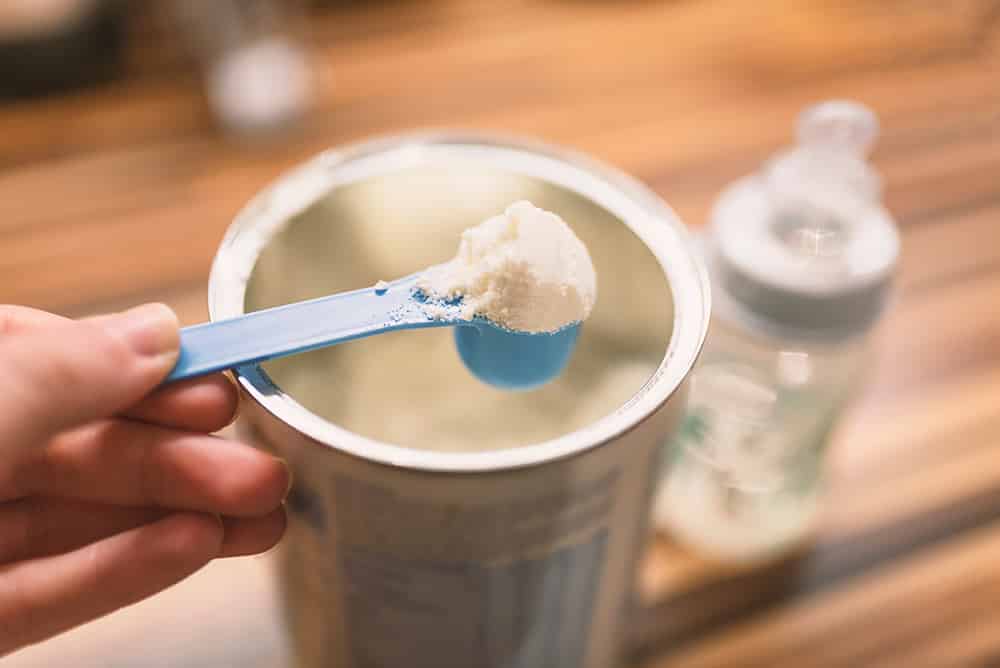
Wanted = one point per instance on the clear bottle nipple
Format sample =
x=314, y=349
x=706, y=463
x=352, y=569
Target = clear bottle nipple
x=821, y=188
x=805, y=244
x=839, y=125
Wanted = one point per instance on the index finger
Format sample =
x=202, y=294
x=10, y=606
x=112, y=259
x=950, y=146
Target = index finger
x=204, y=404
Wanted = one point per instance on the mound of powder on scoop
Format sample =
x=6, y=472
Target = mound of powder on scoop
x=524, y=270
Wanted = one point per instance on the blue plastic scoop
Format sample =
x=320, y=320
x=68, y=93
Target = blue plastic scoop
x=503, y=358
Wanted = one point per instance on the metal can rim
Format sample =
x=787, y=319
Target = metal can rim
x=648, y=216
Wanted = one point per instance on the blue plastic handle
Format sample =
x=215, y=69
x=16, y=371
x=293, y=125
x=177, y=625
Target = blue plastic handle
x=503, y=358
x=295, y=328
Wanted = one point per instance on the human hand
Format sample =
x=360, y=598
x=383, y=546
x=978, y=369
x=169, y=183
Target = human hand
x=110, y=489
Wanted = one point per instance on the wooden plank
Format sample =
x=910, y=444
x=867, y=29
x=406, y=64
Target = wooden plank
x=825, y=630
x=871, y=521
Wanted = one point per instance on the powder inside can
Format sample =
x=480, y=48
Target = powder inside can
x=524, y=270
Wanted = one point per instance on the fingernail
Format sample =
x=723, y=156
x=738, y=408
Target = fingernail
x=150, y=330
x=291, y=480
x=281, y=541
x=239, y=398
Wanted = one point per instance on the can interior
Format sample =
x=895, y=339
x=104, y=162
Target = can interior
x=410, y=388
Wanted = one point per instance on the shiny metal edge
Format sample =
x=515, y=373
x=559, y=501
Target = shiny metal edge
x=648, y=216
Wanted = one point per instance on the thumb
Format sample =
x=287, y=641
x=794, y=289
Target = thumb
x=71, y=372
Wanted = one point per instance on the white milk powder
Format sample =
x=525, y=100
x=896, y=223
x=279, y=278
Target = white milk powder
x=524, y=270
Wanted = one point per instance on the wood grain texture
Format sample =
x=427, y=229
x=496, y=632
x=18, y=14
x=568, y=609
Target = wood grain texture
x=121, y=194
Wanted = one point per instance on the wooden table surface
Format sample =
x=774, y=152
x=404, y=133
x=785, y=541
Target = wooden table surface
x=120, y=195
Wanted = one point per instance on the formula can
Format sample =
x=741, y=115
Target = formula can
x=499, y=557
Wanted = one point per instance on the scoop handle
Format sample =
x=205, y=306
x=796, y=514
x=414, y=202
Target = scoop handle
x=298, y=327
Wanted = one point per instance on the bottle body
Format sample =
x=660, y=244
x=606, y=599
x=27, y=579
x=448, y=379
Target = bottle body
x=743, y=480
x=801, y=256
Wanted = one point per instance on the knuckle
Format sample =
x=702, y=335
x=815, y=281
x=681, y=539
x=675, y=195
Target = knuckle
x=58, y=373
x=256, y=491
x=15, y=532
x=40, y=382
x=198, y=539
x=152, y=476
x=11, y=486
x=32, y=529
x=109, y=349
x=65, y=359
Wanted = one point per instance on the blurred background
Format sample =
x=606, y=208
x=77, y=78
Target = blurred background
x=132, y=132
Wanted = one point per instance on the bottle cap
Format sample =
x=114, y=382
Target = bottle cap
x=804, y=245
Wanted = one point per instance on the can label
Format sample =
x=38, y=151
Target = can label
x=521, y=614
x=454, y=585
x=370, y=515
